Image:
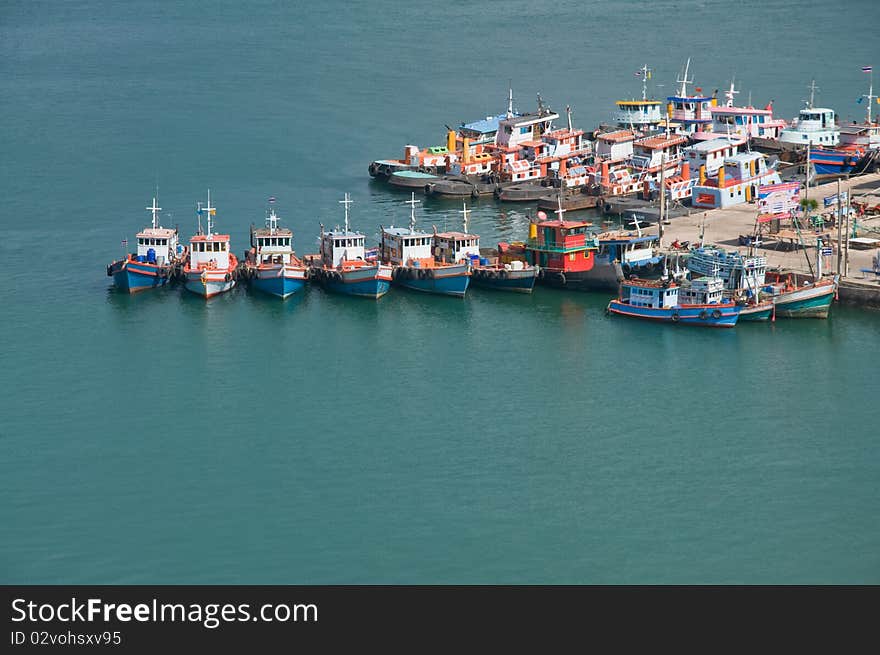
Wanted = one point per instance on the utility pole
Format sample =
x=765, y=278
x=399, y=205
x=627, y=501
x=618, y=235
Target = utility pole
x=846, y=259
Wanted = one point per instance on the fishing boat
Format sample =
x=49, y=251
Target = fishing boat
x=690, y=113
x=409, y=253
x=747, y=122
x=701, y=303
x=563, y=250
x=797, y=296
x=275, y=268
x=151, y=266
x=210, y=268
x=344, y=265
x=463, y=246
x=859, y=144
x=643, y=116
x=814, y=126
x=743, y=277
x=623, y=254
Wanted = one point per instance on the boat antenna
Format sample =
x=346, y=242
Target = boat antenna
x=211, y=211
x=464, y=220
x=684, y=81
x=870, y=96
x=568, y=114
x=412, y=202
x=813, y=88
x=155, y=209
x=346, y=202
x=510, y=99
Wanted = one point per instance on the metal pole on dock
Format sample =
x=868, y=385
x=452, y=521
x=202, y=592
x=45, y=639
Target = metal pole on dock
x=839, y=222
x=662, y=197
x=846, y=257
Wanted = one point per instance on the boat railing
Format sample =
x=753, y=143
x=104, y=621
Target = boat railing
x=553, y=246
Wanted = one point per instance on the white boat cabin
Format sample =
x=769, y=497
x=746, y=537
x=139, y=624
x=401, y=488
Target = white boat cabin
x=650, y=152
x=703, y=291
x=711, y=154
x=402, y=245
x=643, y=115
x=341, y=245
x=515, y=130
x=615, y=146
x=735, y=270
x=157, y=244
x=209, y=251
x=814, y=126
x=647, y=294
x=271, y=244
x=452, y=247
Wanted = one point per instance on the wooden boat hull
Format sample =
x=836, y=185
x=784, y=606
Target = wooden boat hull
x=132, y=276
x=697, y=315
x=503, y=280
x=806, y=302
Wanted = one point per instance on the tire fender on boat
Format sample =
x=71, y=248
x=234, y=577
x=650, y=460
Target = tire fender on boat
x=475, y=193
x=562, y=279
x=716, y=313
x=675, y=317
x=228, y=277
x=704, y=315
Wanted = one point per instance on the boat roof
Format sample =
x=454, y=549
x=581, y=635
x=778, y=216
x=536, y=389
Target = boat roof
x=213, y=237
x=562, y=133
x=564, y=224
x=858, y=128
x=415, y=174
x=715, y=143
x=662, y=141
x=689, y=98
x=744, y=157
x=266, y=232
x=739, y=110
x=809, y=110
x=404, y=232
x=617, y=136
x=161, y=232
x=342, y=233
x=636, y=103
x=457, y=235
x=484, y=126
x=625, y=237
x=654, y=284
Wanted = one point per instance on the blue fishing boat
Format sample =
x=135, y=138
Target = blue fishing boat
x=623, y=254
x=701, y=303
x=345, y=267
x=409, y=253
x=275, y=269
x=152, y=264
x=455, y=247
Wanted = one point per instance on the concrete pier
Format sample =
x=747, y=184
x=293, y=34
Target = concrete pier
x=724, y=226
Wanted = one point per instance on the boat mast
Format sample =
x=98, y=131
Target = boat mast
x=813, y=88
x=870, y=96
x=412, y=202
x=155, y=209
x=568, y=114
x=199, y=217
x=559, y=211
x=346, y=202
x=730, y=93
x=684, y=81
x=510, y=99
x=464, y=220
x=646, y=75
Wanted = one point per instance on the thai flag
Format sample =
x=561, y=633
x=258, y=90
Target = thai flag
x=638, y=73
x=271, y=199
x=124, y=242
x=867, y=69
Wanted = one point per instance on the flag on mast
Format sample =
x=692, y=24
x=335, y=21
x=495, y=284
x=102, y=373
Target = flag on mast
x=867, y=69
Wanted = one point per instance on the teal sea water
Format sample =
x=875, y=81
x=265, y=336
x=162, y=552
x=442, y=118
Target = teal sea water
x=160, y=438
